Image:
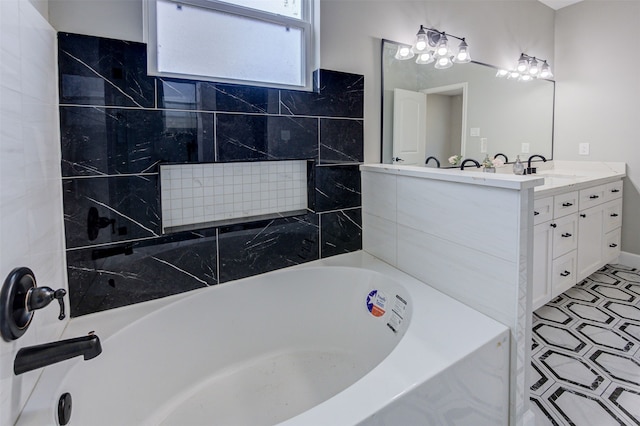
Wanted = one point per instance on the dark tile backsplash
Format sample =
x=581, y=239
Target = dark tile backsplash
x=118, y=124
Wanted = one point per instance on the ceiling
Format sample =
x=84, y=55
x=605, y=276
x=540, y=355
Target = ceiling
x=558, y=4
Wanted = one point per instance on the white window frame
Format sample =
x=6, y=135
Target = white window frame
x=308, y=24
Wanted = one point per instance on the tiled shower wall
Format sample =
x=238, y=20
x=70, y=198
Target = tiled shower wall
x=117, y=125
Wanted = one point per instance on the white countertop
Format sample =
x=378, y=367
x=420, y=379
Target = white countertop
x=561, y=176
x=552, y=177
x=499, y=180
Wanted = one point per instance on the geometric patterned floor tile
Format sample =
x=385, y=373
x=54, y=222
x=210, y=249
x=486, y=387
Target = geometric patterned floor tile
x=623, y=310
x=586, y=352
x=580, y=409
x=553, y=314
x=628, y=401
x=605, y=337
x=618, y=367
x=558, y=337
x=588, y=312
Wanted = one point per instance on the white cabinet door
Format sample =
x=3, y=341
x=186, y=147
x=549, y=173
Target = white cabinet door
x=565, y=234
x=564, y=273
x=542, y=258
x=409, y=127
x=590, y=240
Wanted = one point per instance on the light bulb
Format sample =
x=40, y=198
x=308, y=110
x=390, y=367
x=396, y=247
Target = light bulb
x=525, y=77
x=443, y=63
x=545, y=71
x=533, y=67
x=421, y=43
x=514, y=74
x=403, y=52
x=442, y=48
x=502, y=73
x=424, y=58
x=463, y=53
x=522, y=64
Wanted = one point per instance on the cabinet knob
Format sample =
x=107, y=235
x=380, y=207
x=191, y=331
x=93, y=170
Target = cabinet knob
x=583, y=215
x=566, y=235
x=593, y=197
x=614, y=214
x=553, y=225
x=615, y=190
x=565, y=273
x=567, y=204
x=613, y=245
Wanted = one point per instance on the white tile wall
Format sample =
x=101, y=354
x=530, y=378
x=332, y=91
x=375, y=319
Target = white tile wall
x=202, y=193
x=31, y=219
x=471, y=242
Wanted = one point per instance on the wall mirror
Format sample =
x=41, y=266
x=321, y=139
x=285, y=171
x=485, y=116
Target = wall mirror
x=462, y=110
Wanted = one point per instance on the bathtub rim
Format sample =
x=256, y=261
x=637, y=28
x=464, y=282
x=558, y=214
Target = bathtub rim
x=407, y=360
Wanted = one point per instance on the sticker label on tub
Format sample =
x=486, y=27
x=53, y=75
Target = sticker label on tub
x=376, y=302
x=397, y=313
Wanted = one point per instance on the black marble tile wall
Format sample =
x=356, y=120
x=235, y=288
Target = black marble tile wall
x=118, y=124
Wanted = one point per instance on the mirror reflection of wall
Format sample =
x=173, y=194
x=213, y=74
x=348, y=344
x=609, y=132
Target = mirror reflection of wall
x=507, y=116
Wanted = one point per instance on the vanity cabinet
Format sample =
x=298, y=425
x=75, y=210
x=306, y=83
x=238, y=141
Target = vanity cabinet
x=575, y=233
x=555, y=241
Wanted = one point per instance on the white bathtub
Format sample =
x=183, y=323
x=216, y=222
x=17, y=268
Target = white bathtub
x=299, y=346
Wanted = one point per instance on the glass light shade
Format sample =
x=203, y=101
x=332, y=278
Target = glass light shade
x=443, y=63
x=513, y=74
x=424, y=58
x=545, y=71
x=463, y=55
x=502, y=73
x=523, y=64
x=404, y=52
x=525, y=77
x=422, y=43
x=442, y=48
x=533, y=67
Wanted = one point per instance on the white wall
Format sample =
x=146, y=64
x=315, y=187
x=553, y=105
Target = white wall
x=598, y=91
x=31, y=224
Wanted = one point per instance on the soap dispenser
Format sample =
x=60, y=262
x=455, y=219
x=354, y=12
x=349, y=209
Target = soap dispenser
x=518, y=167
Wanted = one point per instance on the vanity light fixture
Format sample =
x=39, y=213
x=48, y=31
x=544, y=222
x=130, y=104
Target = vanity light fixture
x=431, y=46
x=528, y=68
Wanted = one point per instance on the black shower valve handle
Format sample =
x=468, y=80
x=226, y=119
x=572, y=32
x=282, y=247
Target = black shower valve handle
x=39, y=297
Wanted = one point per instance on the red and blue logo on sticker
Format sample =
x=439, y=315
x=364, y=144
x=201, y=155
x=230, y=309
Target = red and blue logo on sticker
x=376, y=301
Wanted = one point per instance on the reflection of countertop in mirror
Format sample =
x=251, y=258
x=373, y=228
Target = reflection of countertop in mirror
x=560, y=176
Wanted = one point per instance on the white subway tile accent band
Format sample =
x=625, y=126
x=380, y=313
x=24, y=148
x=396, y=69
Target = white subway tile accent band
x=202, y=193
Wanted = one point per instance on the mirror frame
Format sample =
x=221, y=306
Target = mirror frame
x=382, y=98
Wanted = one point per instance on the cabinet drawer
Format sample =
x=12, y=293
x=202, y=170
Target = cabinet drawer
x=565, y=234
x=593, y=196
x=542, y=210
x=564, y=273
x=611, y=249
x=565, y=204
x=612, y=215
x=613, y=190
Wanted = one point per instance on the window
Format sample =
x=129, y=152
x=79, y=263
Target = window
x=259, y=42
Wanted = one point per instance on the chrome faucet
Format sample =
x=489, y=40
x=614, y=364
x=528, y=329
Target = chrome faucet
x=532, y=170
x=432, y=158
x=34, y=357
x=469, y=160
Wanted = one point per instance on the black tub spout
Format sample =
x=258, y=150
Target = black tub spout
x=34, y=357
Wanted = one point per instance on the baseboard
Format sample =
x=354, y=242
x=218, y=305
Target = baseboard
x=629, y=259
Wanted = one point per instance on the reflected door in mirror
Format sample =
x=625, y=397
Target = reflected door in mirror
x=409, y=127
